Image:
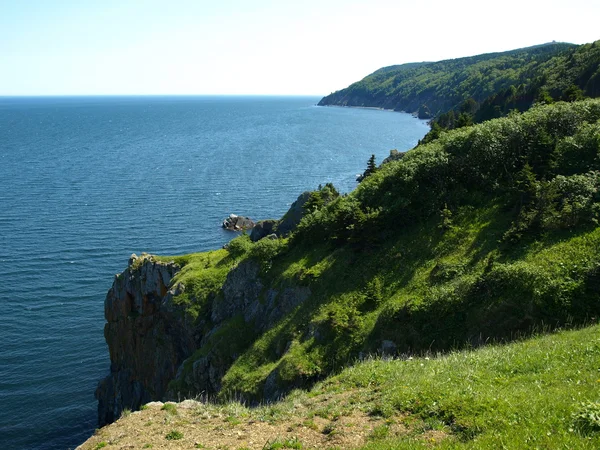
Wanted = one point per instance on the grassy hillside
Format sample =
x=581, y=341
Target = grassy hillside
x=538, y=393
x=486, y=233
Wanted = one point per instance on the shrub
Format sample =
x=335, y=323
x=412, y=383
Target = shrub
x=266, y=249
x=239, y=246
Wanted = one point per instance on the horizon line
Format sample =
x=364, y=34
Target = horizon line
x=154, y=95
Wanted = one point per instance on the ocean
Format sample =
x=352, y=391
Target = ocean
x=87, y=181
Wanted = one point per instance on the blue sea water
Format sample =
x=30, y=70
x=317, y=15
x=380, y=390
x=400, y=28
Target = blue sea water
x=85, y=182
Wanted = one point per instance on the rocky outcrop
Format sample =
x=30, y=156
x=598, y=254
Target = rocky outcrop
x=395, y=155
x=246, y=303
x=284, y=226
x=147, y=336
x=242, y=295
x=263, y=229
x=293, y=216
x=238, y=223
x=153, y=343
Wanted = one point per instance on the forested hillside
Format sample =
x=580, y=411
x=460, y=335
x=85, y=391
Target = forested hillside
x=463, y=91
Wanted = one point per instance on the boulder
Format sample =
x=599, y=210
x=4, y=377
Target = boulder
x=237, y=223
x=394, y=156
x=262, y=229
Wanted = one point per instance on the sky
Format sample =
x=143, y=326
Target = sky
x=257, y=47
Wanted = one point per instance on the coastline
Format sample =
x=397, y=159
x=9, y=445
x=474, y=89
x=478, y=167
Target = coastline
x=376, y=108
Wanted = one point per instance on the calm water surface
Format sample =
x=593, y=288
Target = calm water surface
x=85, y=182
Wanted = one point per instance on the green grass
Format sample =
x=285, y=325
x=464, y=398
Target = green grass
x=174, y=435
x=202, y=274
x=279, y=444
x=170, y=408
x=538, y=393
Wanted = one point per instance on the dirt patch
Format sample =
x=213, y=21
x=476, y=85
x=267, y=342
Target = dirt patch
x=319, y=423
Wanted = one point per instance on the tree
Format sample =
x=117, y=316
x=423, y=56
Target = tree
x=371, y=168
x=572, y=94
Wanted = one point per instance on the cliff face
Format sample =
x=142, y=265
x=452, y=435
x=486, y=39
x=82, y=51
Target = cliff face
x=158, y=351
x=146, y=337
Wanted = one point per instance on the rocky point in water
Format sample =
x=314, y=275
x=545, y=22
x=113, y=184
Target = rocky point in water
x=238, y=223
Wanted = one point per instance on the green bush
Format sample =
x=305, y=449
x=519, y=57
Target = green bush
x=174, y=435
x=239, y=246
x=267, y=249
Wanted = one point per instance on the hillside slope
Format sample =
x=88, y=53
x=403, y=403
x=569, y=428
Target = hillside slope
x=487, y=233
x=538, y=393
x=483, y=86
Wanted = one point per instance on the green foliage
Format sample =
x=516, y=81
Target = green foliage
x=444, y=85
x=321, y=197
x=470, y=90
x=380, y=269
x=170, y=408
x=174, y=435
x=374, y=291
x=239, y=246
x=371, y=168
x=278, y=444
x=572, y=94
x=202, y=276
x=266, y=250
x=100, y=445
x=446, y=218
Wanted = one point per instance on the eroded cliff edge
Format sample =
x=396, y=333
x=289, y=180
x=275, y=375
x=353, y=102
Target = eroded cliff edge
x=159, y=349
x=146, y=337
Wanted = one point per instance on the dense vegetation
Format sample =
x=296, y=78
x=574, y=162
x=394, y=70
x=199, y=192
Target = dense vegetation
x=485, y=234
x=463, y=91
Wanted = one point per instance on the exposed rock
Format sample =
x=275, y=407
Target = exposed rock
x=144, y=350
x=271, y=390
x=242, y=287
x=394, y=156
x=293, y=216
x=237, y=223
x=151, y=339
x=262, y=229
x=424, y=112
x=280, y=228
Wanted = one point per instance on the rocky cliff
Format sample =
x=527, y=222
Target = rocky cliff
x=158, y=350
x=146, y=336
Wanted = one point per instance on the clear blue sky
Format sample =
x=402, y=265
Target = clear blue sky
x=313, y=47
